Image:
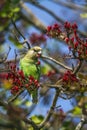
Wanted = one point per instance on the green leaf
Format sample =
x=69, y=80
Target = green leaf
x=28, y=103
x=18, y=102
x=83, y=15
x=77, y=111
x=16, y=10
x=37, y=119
x=1, y=28
x=45, y=69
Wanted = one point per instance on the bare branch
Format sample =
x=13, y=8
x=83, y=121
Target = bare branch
x=15, y=96
x=81, y=123
x=51, y=109
x=32, y=17
x=48, y=11
x=29, y=121
x=5, y=58
x=57, y=62
x=28, y=44
x=78, y=66
x=31, y=21
x=70, y=5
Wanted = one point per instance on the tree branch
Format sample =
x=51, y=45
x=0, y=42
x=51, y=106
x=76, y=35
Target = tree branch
x=70, y=5
x=51, y=109
x=15, y=96
x=48, y=11
x=78, y=66
x=81, y=123
x=29, y=121
x=32, y=17
x=53, y=15
x=31, y=21
x=5, y=58
x=57, y=62
x=28, y=44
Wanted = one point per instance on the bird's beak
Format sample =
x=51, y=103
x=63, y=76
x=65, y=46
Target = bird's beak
x=40, y=52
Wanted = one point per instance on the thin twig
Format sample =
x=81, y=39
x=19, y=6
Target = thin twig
x=78, y=66
x=3, y=103
x=70, y=5
x=54, y=86
x=74, y=7
x=29, y=121
x=15, y=55
x=5, y=58
x=14, y=97
x=28, y=44
x=81, y=123
x=51, y=109
x=57, y=62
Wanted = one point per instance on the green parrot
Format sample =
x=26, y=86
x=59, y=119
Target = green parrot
x=28, y=64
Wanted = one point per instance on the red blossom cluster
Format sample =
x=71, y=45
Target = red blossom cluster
x=54, y=30
x=69, y=77
x=19, y=80
x=68, y=33
x=37, y=39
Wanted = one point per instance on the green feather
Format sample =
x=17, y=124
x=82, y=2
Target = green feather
x=30, y=69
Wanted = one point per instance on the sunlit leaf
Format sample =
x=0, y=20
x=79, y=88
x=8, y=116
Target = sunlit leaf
x=37, y=119
x=83, y=15
x=77, y=111
x=7, y=84
x=18, y=102
x=30, y=128
x=16, y=10
x=45, y=69
x=28, y=103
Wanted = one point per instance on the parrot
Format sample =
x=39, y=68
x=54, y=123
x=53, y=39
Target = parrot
x=28, y=64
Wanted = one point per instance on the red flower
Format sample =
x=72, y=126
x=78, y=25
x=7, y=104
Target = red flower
x=67, y=25
x=49, y=28
x=74, y=26
x=66, y=39
x=76, y=45
x=69, y=77
x=55, y=26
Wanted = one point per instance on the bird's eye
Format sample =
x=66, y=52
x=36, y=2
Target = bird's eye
x=35, y=50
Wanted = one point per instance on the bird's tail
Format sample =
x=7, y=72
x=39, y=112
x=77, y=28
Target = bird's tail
x=34, y=96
